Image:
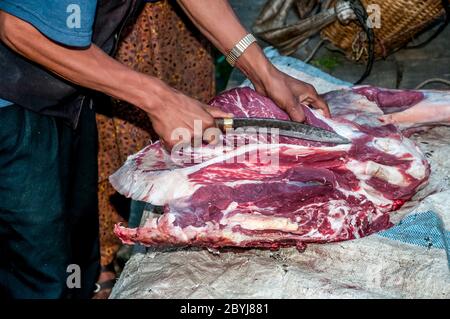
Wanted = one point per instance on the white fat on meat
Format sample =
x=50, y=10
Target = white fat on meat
x=362, y=181
x=257, y=221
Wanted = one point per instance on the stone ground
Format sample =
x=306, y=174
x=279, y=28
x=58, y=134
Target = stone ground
x=404, y=69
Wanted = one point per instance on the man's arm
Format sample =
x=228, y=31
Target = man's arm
x=217, y=21
x=92, y=68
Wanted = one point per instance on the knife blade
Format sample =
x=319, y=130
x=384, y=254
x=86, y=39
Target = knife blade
x=286, y=128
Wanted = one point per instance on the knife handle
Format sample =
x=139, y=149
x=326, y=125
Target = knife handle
x=224, y=124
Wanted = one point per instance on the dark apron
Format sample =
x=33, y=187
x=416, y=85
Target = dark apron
x=26, y=84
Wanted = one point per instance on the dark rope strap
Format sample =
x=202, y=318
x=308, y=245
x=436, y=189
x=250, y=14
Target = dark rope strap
x=446, y=5
x=363, y=18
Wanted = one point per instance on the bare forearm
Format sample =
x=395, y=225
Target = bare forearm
x=90, y=67
x=217, y=21
x=168, y=109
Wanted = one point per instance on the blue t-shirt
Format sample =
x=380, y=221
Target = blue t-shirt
x=68, y=22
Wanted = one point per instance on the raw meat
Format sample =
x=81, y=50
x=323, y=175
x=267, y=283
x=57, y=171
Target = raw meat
x=410, y=109
x=272, y=193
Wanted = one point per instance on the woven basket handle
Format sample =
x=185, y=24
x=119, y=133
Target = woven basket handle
x=446, y=5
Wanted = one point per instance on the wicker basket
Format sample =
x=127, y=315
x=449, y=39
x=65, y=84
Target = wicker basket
x=401, y=20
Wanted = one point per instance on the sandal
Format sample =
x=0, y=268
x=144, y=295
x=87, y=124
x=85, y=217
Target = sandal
x=103, y=287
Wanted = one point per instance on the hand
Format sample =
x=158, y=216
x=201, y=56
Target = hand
x=175, y=111
x=288, y=92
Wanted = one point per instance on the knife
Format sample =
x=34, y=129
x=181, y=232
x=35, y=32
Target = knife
x=286, y=128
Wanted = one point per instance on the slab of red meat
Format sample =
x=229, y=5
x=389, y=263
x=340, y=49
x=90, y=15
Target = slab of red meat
x=410, y=110
x=316, y=192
